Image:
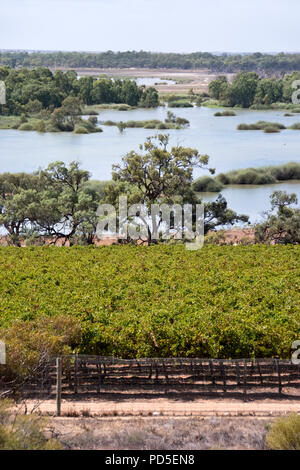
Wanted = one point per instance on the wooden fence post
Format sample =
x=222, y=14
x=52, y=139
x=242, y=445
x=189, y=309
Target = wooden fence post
x=58, y=385
x=277, y=366
x=245, y=379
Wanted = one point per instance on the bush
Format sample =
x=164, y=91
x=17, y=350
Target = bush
x=261, y=125
x=30, y=344
x=23, y=432
x=182, y=121
x=180, y=104
x=271, y=129
x=40, y=126
x=149, y=125
x=225, y=113
x=81, y=130
x=207, y=184
x=93, y=120
x=296, y=126
x=285, y=434
x=25, y=127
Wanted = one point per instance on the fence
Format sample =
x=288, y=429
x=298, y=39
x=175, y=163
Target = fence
x=100, y=376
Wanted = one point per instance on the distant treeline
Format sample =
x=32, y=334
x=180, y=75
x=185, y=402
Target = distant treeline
x=220, y=63
x=30, y=90
x=262, y=175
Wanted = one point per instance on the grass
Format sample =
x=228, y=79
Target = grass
x=262, y=126
x=256, y=176
x=97, y=107
x=225, y=113
x=180, y=104
x=149, y=124
x=44, y=125
x=184, y=433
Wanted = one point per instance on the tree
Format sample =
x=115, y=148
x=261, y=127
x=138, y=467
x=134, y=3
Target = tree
x=65, y=118
x=158, y=175
x=18, y=196
x=284, y=226
x=242, y=91
x=218, y=87
x=149, y=98
x=268, y=91
x=64, y=203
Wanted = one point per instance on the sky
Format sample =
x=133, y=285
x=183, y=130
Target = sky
x=151, y=25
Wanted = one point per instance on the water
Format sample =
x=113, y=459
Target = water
x=151, y=81
x=216, y=136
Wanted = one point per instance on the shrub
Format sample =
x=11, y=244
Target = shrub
x=40, y=126
x=25, y=127
x=93, y=120
x=271, y=129
x=182, y=121
x=285, y=433
x=23, y=432
x=180, y=104
x=149, y=125
x=295, y=126
x=124, y=107
x=225, y=113
x=161, y=125
x=206, y=183
x=261, y=125
x=110, y=123
x=30, y=344
x=81, y=130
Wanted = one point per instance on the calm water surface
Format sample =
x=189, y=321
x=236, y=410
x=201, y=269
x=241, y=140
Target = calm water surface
x=216, y=136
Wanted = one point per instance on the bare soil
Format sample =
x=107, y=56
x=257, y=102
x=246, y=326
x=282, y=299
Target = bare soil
x=167, y=407
x=197, y=79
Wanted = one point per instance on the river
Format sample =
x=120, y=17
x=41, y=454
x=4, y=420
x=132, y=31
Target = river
x=216, y=136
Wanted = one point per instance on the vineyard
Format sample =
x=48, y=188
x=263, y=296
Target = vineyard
x=160, y=301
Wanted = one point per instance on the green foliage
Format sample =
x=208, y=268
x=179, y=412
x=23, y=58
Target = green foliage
x=225, y=113
x=109, y=59
x=261, y=175
x=40, y=126
x=284, y=226
x=149, y=98
x=176, y=123
x=81, y=130
x=285, y=433
x=207, y=184
x=218, y=87
x=180, y=104
x=25, y=127
x=262, y=125
x=216, y=302
x=30, y=344
x=242, y=90
x=33, y=90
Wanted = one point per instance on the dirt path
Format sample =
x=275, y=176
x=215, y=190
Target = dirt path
x=169, y=407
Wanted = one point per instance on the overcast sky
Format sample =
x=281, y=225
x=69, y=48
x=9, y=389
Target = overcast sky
x=152, y=25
